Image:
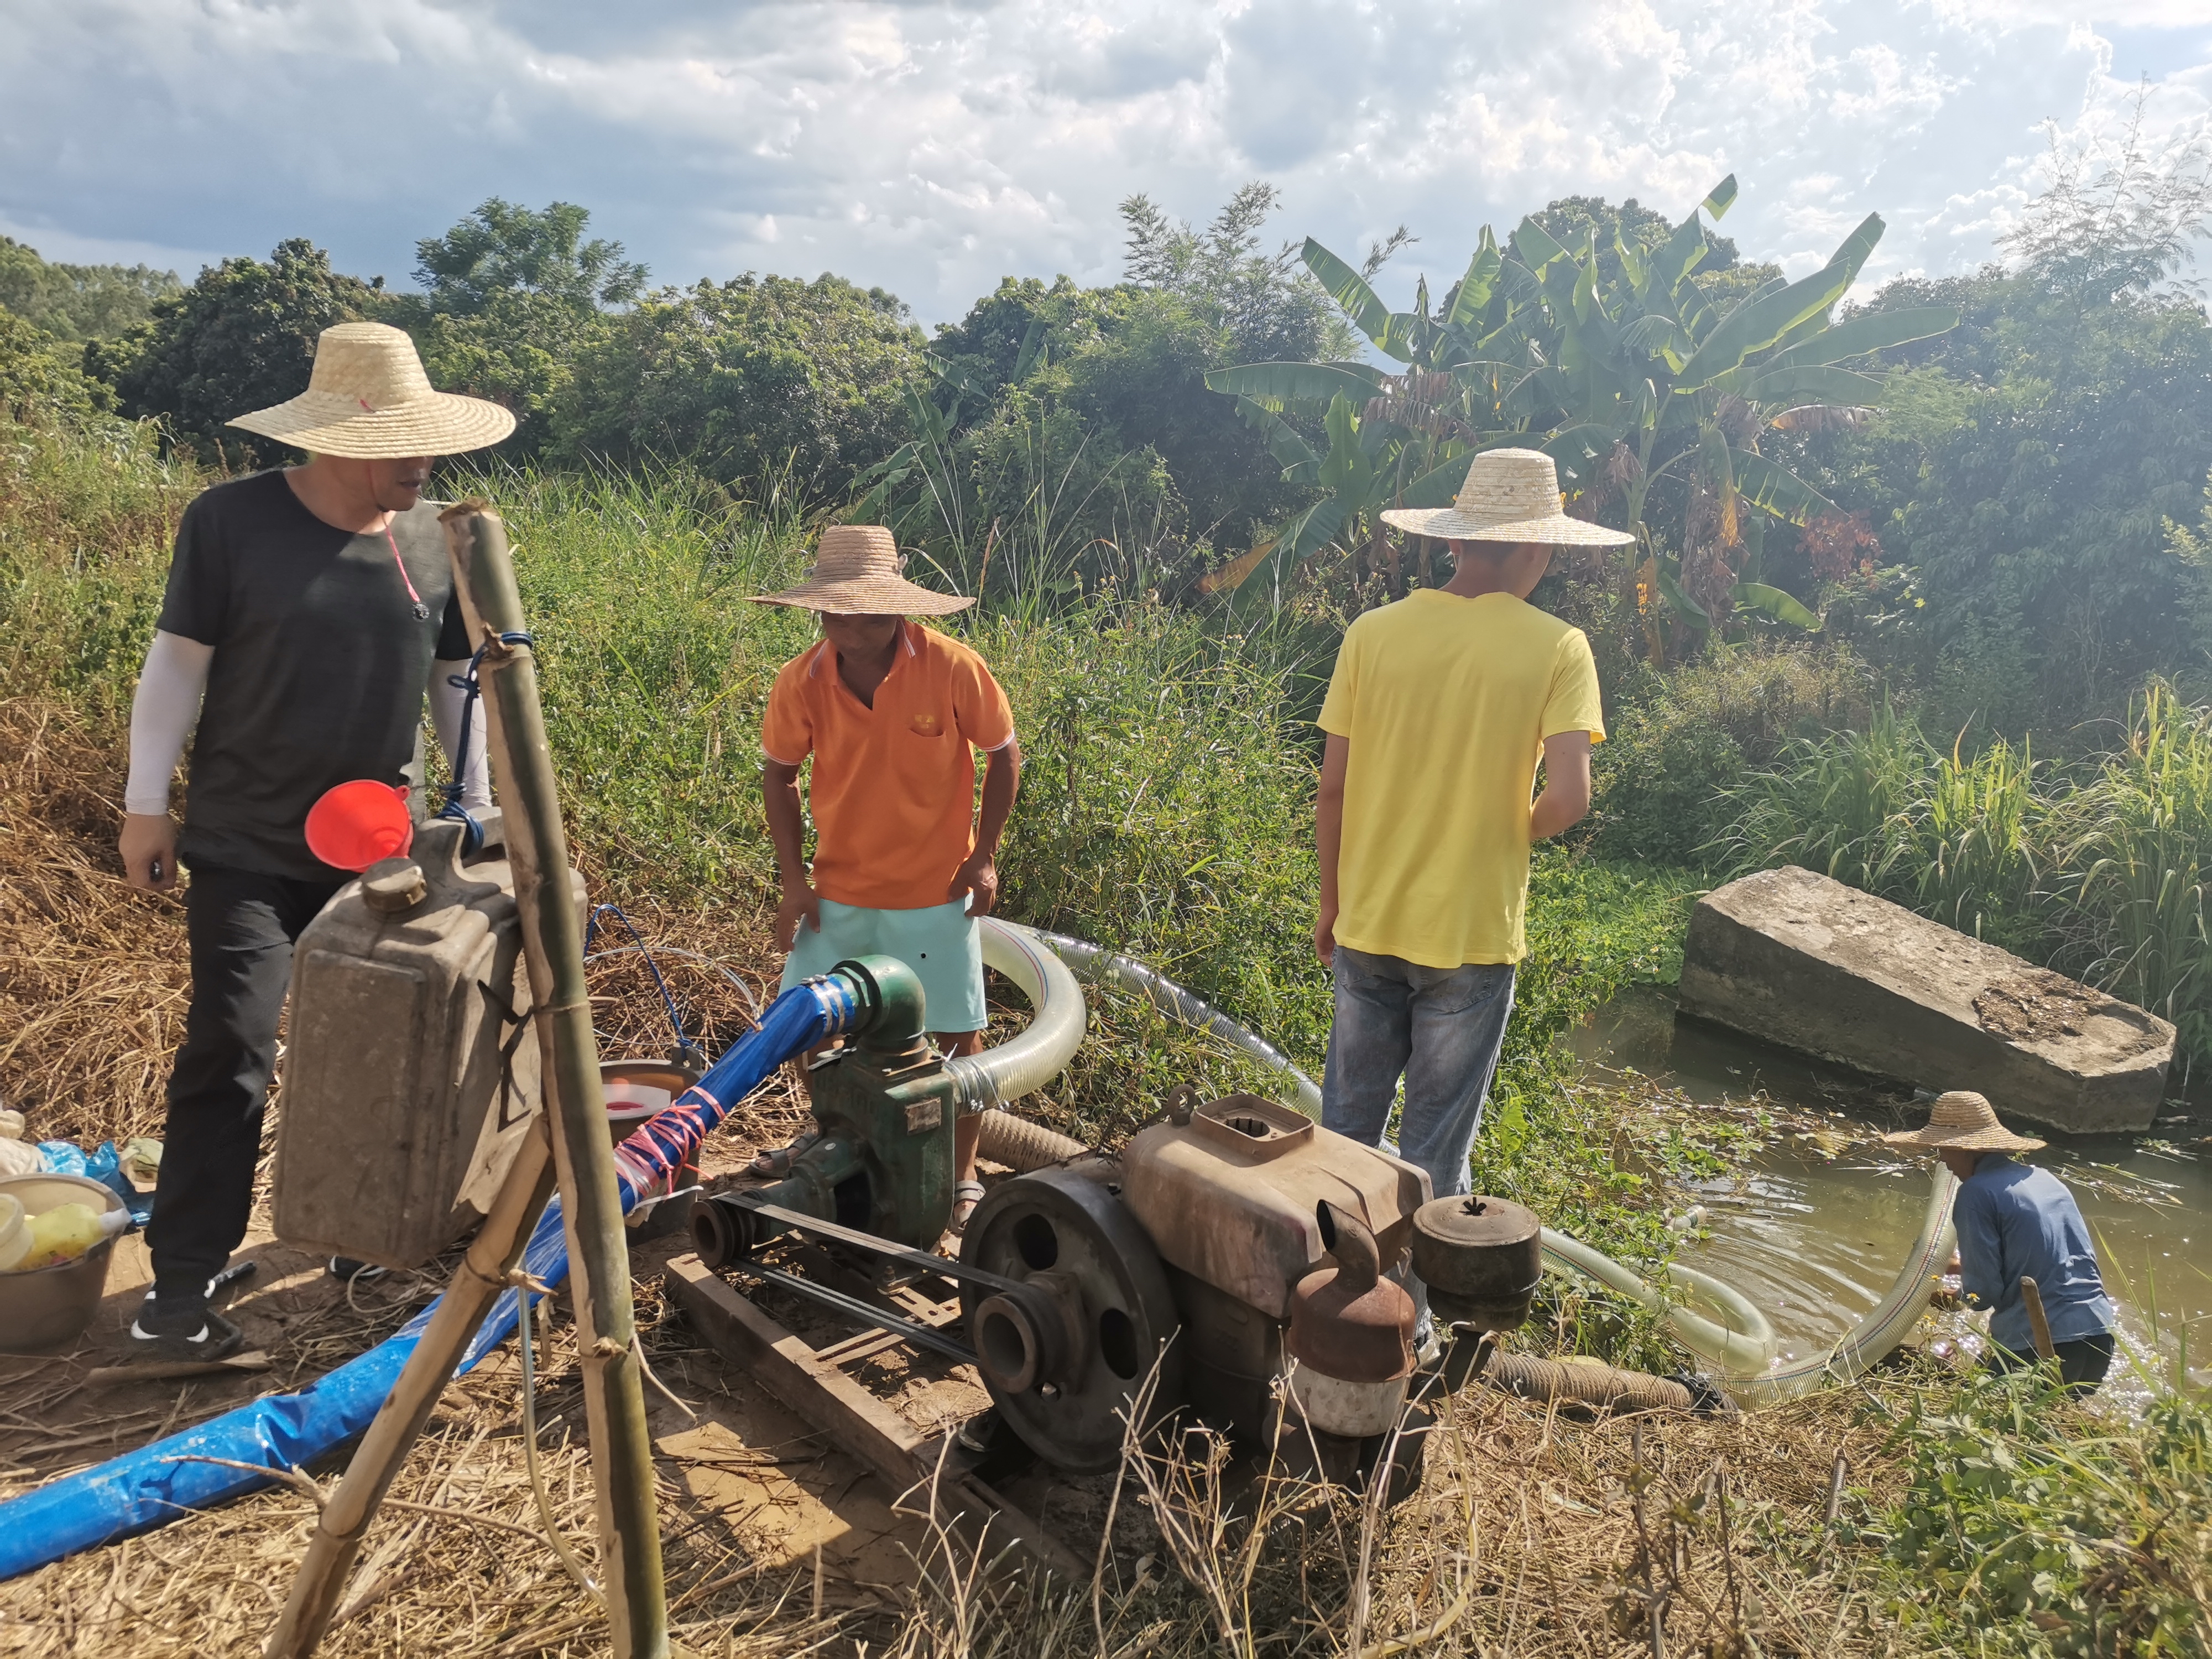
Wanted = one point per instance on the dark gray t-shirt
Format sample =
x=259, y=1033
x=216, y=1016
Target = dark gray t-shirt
x=320, y=663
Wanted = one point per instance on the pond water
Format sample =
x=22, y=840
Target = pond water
x=1815, y=1231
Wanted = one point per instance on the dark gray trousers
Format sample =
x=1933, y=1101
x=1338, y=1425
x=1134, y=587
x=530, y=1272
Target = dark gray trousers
x=240, y=928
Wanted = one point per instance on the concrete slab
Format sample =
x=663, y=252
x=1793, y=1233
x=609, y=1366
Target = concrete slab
x=1795, y=959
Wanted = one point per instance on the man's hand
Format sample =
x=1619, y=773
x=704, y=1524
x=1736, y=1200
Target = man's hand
x=801, y=903
x=1325, y=936
x=979, y=877
x=149, y=846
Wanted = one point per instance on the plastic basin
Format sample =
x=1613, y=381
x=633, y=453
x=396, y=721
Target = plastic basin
x=49, y=1306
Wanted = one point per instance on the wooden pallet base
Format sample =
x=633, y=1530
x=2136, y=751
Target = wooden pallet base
x=812, y=1383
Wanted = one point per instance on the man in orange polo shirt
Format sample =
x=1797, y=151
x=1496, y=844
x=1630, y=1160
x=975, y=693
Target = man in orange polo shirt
x=893, y=713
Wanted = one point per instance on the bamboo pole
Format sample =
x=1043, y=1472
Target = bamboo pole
x=2038, y=1323
x=345, y=1520
x=552, y=936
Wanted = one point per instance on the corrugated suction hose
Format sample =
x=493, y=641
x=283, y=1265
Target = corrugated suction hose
x=1601, y=1387
x=1022, y=1145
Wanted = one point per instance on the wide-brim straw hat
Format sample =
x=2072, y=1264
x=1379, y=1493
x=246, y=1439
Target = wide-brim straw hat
x=856, y=574
x=1509, y=495
x=1967, y=1121
x=368, y=399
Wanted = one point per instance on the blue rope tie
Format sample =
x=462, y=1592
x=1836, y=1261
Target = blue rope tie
x=667, y=997
x=472, y=685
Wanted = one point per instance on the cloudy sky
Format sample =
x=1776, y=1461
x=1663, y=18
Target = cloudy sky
x=934, y=148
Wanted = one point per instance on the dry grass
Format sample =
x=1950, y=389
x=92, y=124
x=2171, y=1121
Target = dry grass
x=93, y=976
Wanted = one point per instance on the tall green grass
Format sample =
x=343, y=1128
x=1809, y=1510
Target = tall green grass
x=2098, y=869
x=1166, y=808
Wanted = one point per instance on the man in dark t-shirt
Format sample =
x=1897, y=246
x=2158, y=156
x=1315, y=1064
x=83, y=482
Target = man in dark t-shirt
x=307, y=612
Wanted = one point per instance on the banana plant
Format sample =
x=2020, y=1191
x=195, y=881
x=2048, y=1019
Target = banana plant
x=1632, y=383
x=1648, y=381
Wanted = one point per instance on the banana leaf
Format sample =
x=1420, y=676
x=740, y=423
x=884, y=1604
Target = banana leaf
x=1437, y=488
x=1801, y=383
x=1300, y=464
x=1852, y=254
x=1535, y=244
x=1683, y=251
x=1573, y=448
x=1349, y=289
x=1632, y=264
x=1274, y=386
x=1776, y=489
x=1311, y=531
x=1656, y=334
x=1720, y=197
x=1870, y=331
x=1473, y=294
x=1773, y=602
x=1764, y=317
x=1405, y=336
x=1349, y=468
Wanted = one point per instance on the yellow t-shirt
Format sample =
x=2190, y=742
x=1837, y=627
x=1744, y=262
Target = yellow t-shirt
x=1446, y=702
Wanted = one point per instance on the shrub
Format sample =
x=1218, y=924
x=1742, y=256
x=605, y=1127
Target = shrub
x=749, y=379
x=36, y=379
x=1678, y=743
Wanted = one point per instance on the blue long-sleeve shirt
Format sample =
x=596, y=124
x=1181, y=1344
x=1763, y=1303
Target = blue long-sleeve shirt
x=2015, y=1219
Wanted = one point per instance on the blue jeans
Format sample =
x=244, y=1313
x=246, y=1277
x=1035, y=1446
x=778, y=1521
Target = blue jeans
x=1438, y=1028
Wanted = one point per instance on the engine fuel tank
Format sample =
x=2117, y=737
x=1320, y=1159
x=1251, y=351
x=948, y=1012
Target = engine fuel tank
x=1229, y=1196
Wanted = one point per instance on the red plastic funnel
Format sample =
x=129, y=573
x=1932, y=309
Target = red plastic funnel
x=356, y=824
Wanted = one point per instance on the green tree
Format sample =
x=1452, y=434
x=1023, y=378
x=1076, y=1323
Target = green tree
x=504, y=249
x=509, y=296
x=760, y=381
x=1130, y=360
x=2022, y=470
x=240, y=337
x=78, y=302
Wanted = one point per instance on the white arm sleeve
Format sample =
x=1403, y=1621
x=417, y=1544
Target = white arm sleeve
x=167, y=702
x=446, y=702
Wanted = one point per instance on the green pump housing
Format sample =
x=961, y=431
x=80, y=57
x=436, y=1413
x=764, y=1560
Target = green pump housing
x=884, y=1106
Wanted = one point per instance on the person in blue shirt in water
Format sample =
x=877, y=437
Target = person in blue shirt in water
x=2018, y=1221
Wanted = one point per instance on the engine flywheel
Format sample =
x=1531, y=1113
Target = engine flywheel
x=1068, y=1353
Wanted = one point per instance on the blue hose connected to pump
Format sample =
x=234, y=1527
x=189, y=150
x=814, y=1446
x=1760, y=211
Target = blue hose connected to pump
x=161, y=1483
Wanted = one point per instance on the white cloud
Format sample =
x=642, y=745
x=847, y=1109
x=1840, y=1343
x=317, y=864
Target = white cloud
x=935, y=147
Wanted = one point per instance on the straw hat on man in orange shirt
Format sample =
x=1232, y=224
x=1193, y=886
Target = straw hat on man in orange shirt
x=891, y=713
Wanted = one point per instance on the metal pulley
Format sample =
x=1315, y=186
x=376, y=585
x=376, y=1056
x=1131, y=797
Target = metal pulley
x=1066, y=1348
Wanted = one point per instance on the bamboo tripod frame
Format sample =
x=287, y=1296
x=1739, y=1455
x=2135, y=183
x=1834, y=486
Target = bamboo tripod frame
x=569, y=1145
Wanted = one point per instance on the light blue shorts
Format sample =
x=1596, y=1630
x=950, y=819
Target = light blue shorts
x=941, y=943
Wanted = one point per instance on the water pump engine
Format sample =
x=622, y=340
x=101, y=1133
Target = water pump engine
x=1226, y=1242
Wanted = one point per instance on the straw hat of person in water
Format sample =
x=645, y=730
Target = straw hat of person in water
x=1967, y=1122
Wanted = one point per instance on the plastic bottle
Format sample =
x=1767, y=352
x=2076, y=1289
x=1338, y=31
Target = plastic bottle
x=67, y=1231
x=17, y=1154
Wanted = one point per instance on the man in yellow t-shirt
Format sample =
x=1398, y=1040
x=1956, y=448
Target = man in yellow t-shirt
x=1439, y=709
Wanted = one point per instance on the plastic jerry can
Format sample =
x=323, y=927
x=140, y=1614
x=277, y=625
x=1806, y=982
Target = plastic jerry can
x=412, y=1074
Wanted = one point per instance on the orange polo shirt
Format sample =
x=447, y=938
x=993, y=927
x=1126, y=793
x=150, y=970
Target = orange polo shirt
x=893, y=792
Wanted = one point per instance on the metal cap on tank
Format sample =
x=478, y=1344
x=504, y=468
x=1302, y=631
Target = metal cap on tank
x=1481, y=1258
